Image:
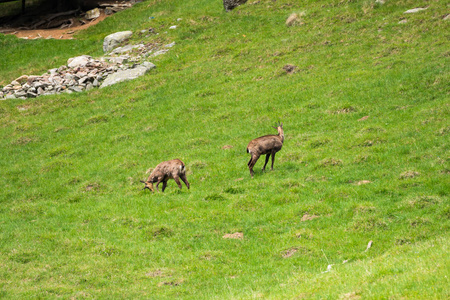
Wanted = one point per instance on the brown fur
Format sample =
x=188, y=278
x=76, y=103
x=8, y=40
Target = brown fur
x=172, y=169
x=268, y=144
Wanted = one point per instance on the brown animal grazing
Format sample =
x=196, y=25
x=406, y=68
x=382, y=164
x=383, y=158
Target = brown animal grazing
x=172, y=169
x=268, y=144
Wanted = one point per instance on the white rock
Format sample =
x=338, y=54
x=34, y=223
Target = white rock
x=125, y=75
x=159, y=52
x=79, y=61
x=415, y=10
x=127, y=48
x=92, y=14
x=173, y=27
x=148, y=65
x=113, y=40
x=118, y=60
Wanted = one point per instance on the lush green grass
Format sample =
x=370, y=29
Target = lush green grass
x=75, y=221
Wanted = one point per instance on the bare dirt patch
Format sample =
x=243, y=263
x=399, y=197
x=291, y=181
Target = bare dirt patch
x=236, y=235
x=288, y=253
x=308, y=217
x=45, y=23
x=53, y=33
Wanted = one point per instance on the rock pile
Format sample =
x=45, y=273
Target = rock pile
x=81, y=73
x=84, y=72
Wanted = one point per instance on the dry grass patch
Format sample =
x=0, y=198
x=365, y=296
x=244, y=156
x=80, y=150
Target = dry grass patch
x=409, y=174
x=236, y=236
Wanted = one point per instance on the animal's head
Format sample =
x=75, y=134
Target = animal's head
x=278, y=125
x=148, y=185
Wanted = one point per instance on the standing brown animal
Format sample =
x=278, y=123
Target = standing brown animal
x=172, y=169
x=268, y=144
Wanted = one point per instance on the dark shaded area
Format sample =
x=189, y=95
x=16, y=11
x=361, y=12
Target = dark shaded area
x=17, y=13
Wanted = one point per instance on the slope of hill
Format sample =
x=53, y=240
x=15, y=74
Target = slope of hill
x=362, y=90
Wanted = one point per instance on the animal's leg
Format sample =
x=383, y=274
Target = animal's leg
x=164, y=185
x=177, y=180
x=252, y=163
x=273, y=159
x=267, y=160
x=248, y=164
x=157, y=183
x=184, y=178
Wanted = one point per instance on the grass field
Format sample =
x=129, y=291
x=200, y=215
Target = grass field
x=366, y=158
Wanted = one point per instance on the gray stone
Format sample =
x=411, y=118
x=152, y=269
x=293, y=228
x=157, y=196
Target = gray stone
x=38, y=84
x=126, y=48
x=22, y=79
x=89, y=86
x=83, y=80
x=169, y=45
x=92, y=14
x=118, y=60
x=124, y=76
x=40, y=91
x=159, y=52
x=68, y=76
x=113, y=40
x=20, y=94
x=148, y=65
x=77, y=89
x=79, y=61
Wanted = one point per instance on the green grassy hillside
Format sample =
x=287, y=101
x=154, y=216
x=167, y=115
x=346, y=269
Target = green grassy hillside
x=366, y=158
